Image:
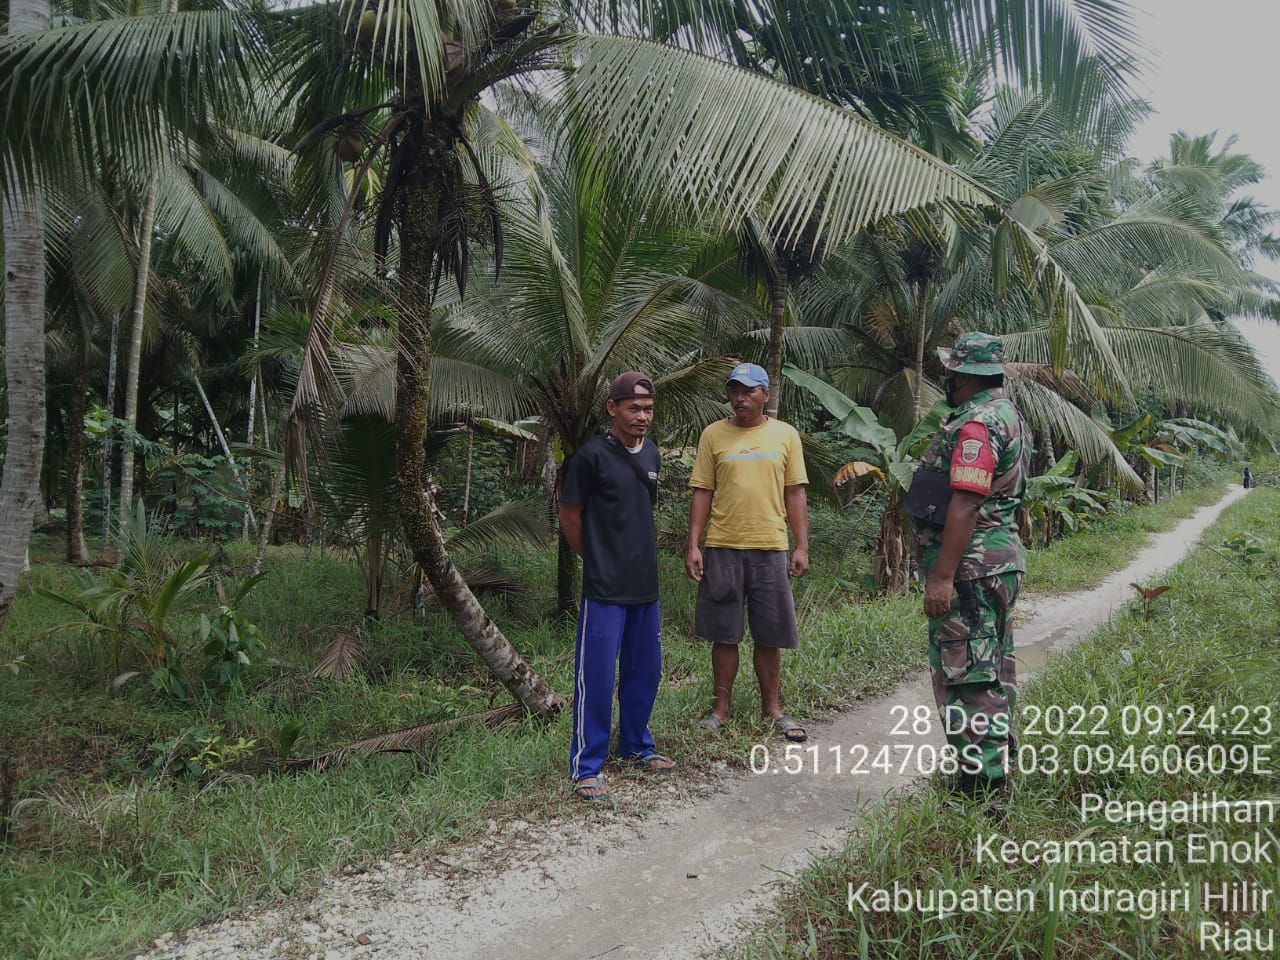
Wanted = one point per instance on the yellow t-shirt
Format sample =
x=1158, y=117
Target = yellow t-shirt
x=747, y=468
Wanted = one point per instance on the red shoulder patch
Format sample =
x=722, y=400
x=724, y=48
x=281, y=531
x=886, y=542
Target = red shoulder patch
x=973, y=463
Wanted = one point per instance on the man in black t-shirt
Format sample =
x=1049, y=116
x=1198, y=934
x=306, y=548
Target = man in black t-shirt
x=606, y=514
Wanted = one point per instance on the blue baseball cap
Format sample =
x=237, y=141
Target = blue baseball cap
x=749, y=375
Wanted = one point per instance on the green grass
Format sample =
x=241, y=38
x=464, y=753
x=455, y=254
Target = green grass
x=107, y=857
x=1088, y=555
x=1215, y=644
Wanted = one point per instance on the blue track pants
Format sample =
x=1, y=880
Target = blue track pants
x=612, y=635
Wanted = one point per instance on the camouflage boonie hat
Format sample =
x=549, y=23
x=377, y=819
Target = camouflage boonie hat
x=980, y=354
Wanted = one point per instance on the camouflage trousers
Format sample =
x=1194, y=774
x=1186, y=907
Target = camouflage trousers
x=974, y=678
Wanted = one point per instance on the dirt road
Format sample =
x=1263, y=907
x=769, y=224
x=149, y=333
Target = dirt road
x=674, y=885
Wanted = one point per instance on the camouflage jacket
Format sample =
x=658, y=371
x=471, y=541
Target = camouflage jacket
x=985, y=446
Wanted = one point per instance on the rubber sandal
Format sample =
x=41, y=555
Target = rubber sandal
x=711, y=723
x=652, y=762
x=790, y=730
x=581, y=788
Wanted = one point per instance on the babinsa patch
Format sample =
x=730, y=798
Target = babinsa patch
x=970, y=450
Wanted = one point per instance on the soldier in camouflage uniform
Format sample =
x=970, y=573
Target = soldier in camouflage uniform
x=972, y=561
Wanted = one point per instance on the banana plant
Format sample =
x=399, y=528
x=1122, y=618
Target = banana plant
x=1053, y=501
x=890, y=460
x=1166, y=443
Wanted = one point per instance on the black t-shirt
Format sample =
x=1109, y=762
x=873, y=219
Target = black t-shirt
x=619, y=545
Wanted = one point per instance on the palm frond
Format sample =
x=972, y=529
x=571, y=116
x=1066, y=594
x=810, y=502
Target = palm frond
x=1084, y=51
x=1049, y=413
x=728, y=143
x=184, y=213
x=1076, y=338
x=407, y=740
x=243, y=229
x=691, y=396
x=461, y=384
x=1208, y=367
x=96, y=247
x=367, y=375
x=810, y=347
x=520, y=523
x=95, y=89
x=342, y=657
x=1172, y=295
x=659, y=314
x=1080, y=49
x=1145, y=241
x=552, y=298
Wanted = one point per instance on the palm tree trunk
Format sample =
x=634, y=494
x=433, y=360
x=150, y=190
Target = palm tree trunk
x=567, y=592
x=133, y=371
x=466, y=485
x=373, y=576
x=253, y=404
x=264, y=531
x=266, y=423
x=112, y=358
x=1024, y=523
x=77, y=550
x=922, y=334
x=566, y=578
x=23, y=219
x=418, y=216
x=24, y=370
x=222, y=442
x=777, y=314
x=133, y=368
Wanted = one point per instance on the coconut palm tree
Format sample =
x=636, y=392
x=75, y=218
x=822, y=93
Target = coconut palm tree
x=1096, y=299
x=196, y=206
x=23, y=213
x=83, y=97
x=592, y=284
x=1210, y=182
x=913, y=69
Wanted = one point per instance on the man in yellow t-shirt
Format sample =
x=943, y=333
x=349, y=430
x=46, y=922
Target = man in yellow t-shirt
x=748, y=482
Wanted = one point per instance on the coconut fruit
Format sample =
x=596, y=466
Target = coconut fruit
x=455, y=54
x=368, y=23
x=348, y=146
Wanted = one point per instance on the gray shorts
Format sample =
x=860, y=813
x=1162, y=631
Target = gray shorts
x=760, y=579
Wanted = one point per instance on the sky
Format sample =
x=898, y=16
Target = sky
x=1213, y=68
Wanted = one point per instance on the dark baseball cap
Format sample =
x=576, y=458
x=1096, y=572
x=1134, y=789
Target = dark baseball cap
x=630, y=385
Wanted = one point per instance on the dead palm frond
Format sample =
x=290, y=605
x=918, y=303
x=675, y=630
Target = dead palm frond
x=409, y=740
x=341, y=659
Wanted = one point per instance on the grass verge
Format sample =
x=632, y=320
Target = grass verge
x=1088, y=555
x=1197, y=680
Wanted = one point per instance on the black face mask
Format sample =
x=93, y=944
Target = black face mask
x=949, y=390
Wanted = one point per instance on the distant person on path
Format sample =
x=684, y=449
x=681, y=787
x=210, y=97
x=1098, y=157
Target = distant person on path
x=748, y=483
x=963, y=501
x=606, y=514
x=1248, y=478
